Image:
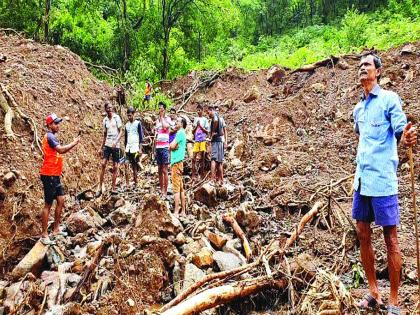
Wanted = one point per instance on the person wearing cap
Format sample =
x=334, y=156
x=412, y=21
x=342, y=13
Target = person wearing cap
x=110, y=146
x=382, y=127
x=50, y=172
x=133, y=140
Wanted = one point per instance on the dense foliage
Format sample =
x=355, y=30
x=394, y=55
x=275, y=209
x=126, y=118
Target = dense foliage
x=166, y=38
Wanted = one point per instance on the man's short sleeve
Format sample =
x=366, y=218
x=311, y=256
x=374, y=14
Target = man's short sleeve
x=52, y=140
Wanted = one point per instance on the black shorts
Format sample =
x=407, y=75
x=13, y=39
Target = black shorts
x=133, y=158
x=108, y=151
x=162, y=156
x=52, y=188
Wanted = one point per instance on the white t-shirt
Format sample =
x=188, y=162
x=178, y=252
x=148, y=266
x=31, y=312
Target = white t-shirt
x=133, y=137
x=111, y=126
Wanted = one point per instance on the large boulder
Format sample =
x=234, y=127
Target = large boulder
x=275, y=74
x=81, y=221
x=206, y=194
x=192, y=274
x=227, y=261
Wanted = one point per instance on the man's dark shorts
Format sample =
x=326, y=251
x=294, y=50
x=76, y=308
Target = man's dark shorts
x=52, y=188
x=108, y=151
x=217, y=151
x=162, y=156
x=383, y=210
x=147, y=97
x=133, y=158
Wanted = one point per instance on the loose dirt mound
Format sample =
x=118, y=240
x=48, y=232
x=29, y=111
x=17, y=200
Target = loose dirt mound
x=44, y=79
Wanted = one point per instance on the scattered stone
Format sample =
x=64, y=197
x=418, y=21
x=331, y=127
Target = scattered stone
x=177, y=278
x=9, y=179
x=236, y=163
x=385, y=81
x=248, y=218
x=408, y=49
x=92, y=247
x=15, y=295
x=3, y=286
x=275, y=74
x=227, y=261
x=2, y=194
x=192, y=274
x=217, y=240
x=32, y=262
x=81, y=221
x=180, y=239
x=318, y=87
x=203, y=258
x=130, y=302
x=233, y=246
x=342, y=64
x=191, y=248
x=237, y=150
x=127, y=250
x=122, y=215
x=206, y=194
x=119, y=203
x=252, y=94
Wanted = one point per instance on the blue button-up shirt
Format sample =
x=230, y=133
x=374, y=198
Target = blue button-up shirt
x=380, y=121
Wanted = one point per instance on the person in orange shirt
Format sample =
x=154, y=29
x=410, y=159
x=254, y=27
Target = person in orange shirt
x=51, y=170
x=147, y=92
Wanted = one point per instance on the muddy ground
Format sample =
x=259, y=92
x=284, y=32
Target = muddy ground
x=291, y=144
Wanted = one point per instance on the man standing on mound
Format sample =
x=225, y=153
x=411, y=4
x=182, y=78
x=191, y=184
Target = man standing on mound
x=381, y=126
x=51, y=170
x=110, y=146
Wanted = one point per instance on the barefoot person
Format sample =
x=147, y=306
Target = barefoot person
x=217, y=146
x=113, y=131
x=147, y=92
x=133, y=140
x=200, y=131
x=381, y=126
x=162, y=148
x=177, y=147
x=51, y=170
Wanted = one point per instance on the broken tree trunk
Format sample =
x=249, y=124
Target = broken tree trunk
x=89, y=271
x=323, y=63
x=221, y=295
x=239, y=233
x=8, y=117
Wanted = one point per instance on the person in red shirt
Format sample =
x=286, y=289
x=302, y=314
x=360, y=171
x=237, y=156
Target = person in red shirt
x=51, y=170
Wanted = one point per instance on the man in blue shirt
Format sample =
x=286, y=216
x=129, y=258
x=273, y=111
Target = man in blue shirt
x=381, y=126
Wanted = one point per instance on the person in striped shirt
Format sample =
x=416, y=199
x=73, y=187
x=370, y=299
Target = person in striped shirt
x=162, y=147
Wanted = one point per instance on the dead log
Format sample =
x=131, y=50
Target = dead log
x=89, y=271
x=221, y=295
x=8, y=117
x=323, y=63
x=239, y=233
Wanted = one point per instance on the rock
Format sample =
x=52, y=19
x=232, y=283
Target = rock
x=217, y=240
x=180, y=239
x=385, y=81
x=78, y=266
x=191, y=248
x=227, y=261
x=177, y=278
x=237, y=150
x=192, y=274
x=81, y=221
x=236, y=163
x=92, y=247
x=127, y=250
x=9, y=179
x=3, y=285
x=408, y=49
x=32, y=262
x=275, y=74
x=318, y=87
x=15, y=295
x=119, y=203
x=342, y=64
x=250, y=219
x=130, y=302
x=252, y=94
x=233, y=247
x=206, y=194
x=305, y=264
x=203, y=258
x=122, y=215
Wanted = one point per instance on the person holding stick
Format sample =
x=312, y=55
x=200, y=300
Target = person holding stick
x=382, y=126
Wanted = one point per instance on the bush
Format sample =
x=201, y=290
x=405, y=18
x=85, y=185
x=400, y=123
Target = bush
x=355, y=29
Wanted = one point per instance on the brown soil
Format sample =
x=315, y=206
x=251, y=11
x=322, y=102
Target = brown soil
x=298, y=137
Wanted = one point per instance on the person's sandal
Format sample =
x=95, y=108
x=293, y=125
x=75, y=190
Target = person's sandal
x=393, y=310
x=371, y=303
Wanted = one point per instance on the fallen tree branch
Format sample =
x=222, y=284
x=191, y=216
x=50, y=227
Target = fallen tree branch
x=221, y=295
x=8, y=117
x=323, y=63
x=239, y=233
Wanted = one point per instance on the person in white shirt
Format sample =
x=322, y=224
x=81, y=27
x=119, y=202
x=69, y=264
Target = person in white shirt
x=110, y=146
x=133, y=140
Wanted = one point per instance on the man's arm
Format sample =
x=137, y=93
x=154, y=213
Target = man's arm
x=173, y=145
x=66, y=148
x=140, y=132
x=125, y=136
x=225, y=135
x=164, y=122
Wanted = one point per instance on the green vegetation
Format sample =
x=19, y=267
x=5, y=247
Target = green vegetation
x=159, y=39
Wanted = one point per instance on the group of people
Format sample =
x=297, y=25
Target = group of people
x=379, y=122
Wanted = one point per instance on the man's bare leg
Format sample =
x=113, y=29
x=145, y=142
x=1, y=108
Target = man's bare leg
x=57, y=214
x=194, y=166
x=213, y=170
x=114, y=175
x=165, y=179
x=135, y=167
x=394, y=262
x=44, y=219
x=220, y=166
x=160, y=173
x=202, y=163
x=183, y=204
x=367, y=255
x=177, y=200
x=102, y=175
